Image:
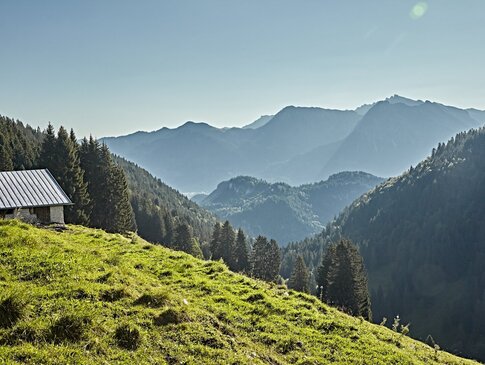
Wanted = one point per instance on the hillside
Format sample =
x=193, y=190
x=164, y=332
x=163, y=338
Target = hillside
x=423, y=241
x=298, y=145
x=282, y=212
x=84, y=296
x=162, y=197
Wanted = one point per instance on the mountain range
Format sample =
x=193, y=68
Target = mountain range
x=298, y=144
x=422, y=237
x=283, y=212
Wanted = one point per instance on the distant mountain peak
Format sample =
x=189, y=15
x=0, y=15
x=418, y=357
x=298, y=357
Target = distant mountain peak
x=191, y=124
x=394, y=99
x=403, y=100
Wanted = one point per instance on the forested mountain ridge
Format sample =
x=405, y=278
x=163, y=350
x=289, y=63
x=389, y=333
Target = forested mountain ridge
x=284, y=212
x=298, y=145
x=423, y=241
x=83, y=296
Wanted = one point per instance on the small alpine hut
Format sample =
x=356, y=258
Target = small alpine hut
x=32, y=196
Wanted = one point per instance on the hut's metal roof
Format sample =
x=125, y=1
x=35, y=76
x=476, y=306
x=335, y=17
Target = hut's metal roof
x=30, y=188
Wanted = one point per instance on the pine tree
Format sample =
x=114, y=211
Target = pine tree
x=241, y=252
x=274, y=260
x=227, y=244
x=344, y=280
x=215, y=244
x=183, y=238
x=48, y=150
x=122, y=217
x=300, y=277
x=265, y=259
x=322, y=278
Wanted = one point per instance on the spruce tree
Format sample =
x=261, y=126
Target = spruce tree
x=274, y=260
x=122, y=217
x=227, y=244
x=48, y=152
x=183, y=238
x=300, y=277
x=241, y=252
x=215, y=243
x=322, y=277
x=344, y=280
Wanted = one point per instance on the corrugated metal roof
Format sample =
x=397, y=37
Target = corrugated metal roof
x=30, y=188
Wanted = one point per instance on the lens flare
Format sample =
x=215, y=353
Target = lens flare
x=418, y=10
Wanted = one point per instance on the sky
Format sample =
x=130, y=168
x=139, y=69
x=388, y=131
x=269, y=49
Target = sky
x=112, y=67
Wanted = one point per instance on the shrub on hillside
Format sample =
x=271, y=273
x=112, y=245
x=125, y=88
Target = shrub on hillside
x=68, y=328
x=128, y=337
x=12, y=309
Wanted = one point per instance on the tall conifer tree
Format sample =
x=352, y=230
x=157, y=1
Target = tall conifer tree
x=300, y=277
x=48, y=149
x=215, y=243
x=241, y=252
x=183, y=238
x=228, y=242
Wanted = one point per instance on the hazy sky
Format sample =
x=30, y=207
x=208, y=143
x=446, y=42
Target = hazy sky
x=110, y=67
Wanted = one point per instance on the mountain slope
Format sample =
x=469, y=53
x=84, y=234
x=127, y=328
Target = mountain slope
x=393, y=136
x=283, y=212
x=83, y=296
x=259, y=122
x=422, y=236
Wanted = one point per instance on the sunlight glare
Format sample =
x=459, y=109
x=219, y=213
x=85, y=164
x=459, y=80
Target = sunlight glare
x=418, y=10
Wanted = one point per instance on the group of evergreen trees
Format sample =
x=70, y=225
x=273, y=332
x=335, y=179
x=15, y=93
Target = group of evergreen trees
x=230, y=246
x=262, y=260
x=265, y=259
x=18, y=145
x=88, y=175
x=342, y=280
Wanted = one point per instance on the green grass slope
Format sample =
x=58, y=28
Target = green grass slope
x=83, y=296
